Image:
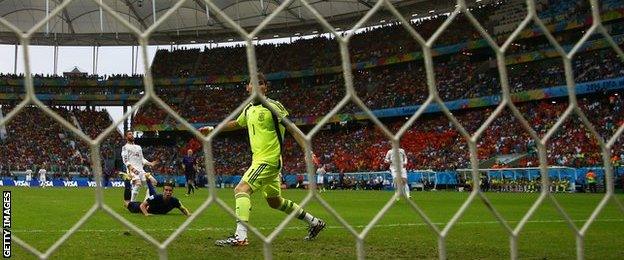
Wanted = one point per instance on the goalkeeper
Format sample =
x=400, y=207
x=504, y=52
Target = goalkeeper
x=266, y=134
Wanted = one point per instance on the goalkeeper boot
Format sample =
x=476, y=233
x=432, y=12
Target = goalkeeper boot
x=232, y=240
x=315, y=229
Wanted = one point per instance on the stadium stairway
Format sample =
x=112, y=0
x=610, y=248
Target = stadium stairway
x=3, y=131
x=506, y=159
x=75, y=120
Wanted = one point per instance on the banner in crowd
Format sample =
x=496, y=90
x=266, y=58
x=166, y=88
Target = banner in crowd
x=448, y=177
x=70, y=97
x=56, y=183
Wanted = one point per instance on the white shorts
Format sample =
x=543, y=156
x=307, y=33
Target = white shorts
x=28, y=178
x=319, y=179
x=138, y=174
x=42, y=179
x=403, y=173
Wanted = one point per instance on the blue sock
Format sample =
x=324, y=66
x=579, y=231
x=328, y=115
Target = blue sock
x=151, y=189
x=127, y=188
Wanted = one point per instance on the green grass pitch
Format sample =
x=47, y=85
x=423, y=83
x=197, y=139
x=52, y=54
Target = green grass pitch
x=41, y=216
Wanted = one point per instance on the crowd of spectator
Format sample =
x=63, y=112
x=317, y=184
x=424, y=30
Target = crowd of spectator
x=384, y=87
x=368, y=44
x=434, y=143
x=34, y=140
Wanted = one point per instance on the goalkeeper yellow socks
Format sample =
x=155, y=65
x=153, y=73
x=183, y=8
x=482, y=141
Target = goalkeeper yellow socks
x=289, y=206
x=243, y=207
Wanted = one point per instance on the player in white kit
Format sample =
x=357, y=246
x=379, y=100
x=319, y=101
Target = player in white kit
x=320, y=173
x=28, y=177
x=395, y=170
x=132, y=156
x=42, y=176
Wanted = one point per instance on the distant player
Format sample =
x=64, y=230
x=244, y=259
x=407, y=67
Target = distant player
x=155, y=203
x=132, y=156
x=266, y=135
x=395, y=171
x=42, y=176
x=320, y=173
x=29, y=173
x=188, y=162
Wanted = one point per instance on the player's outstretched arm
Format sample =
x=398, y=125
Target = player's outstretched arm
x=229, y=126
x=143, y=207
x=184, y=210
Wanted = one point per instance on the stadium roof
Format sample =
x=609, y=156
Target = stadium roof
x=80, y=23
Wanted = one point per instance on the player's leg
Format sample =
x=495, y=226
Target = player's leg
x=318, y=183
x=127, y=189
x=190, y=183
x=395, y=182
x=133, y=206
x=187, y=176
x=137, y=182
x=193, y=183
x=144, y=178
x=242, y=193
x=406, y=187
x=150, y=181
x=273, y=195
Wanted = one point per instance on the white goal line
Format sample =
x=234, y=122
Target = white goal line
x=330, y=227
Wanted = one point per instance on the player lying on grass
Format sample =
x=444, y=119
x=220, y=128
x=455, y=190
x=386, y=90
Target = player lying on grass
x=155, y=203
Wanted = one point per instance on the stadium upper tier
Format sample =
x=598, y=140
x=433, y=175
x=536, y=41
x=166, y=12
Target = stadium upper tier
x=83, y=22
x=383, y=87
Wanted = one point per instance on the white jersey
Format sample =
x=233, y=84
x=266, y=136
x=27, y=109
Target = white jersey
x=393, y=169
x=28, y=175
x=42, y=174
x=320, y=175
x=132, y=155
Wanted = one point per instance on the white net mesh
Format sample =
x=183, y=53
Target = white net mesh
x=351, y=96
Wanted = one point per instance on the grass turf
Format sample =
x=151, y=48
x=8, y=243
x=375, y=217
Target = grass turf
x=41, y=216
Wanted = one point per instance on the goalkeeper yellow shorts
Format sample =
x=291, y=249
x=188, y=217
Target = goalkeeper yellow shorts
x=264, y=177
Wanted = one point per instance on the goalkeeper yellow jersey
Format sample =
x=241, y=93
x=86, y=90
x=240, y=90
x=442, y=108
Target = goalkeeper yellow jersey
x=262, y=126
